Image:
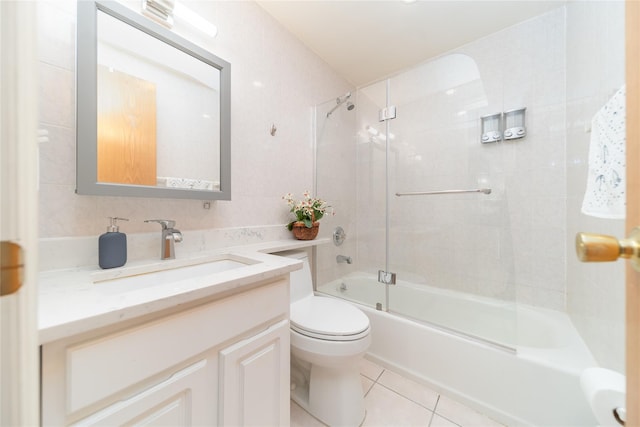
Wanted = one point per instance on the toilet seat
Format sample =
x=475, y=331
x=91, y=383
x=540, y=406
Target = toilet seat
x=328, y=319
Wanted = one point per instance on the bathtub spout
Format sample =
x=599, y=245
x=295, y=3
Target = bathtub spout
x=343, y=258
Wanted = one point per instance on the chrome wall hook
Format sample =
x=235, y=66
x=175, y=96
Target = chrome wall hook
x=273, y=130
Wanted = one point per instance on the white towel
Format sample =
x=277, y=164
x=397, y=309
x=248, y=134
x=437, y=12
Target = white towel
x=605, y=194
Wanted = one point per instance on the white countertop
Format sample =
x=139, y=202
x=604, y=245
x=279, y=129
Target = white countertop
x=73, y=301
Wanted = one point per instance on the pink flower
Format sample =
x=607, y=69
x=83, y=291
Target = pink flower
x=307, y=210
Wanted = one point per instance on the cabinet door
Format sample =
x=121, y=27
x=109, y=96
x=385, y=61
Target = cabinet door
x=254, y=379
x=183, y=399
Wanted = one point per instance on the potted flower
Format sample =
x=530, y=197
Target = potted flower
x=308, y=212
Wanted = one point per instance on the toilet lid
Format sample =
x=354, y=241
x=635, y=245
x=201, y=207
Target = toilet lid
x=329, y=319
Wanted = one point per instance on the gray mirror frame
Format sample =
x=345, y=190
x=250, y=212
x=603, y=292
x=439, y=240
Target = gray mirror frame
x=86, y=106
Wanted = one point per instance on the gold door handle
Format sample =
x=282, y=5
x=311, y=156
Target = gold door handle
x=11, y=268
x=602, y=248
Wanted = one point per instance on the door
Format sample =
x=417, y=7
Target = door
x=128, y=104
x=18, y=215
x=633, y=209
x=607, y=248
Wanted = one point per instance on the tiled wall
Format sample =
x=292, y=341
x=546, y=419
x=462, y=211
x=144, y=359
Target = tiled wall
x=275, y=81
x=523, y=66
x=509, y=244
x=595, y=71
x=336, y=182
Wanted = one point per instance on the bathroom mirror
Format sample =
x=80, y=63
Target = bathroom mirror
x=153, y=109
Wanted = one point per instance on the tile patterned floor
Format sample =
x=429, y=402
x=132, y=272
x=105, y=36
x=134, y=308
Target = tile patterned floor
x=392, y=400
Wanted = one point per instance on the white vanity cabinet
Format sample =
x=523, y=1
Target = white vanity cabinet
x=224, y=362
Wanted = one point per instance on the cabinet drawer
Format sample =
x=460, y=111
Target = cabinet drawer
x=180, y=400
x=100, y=368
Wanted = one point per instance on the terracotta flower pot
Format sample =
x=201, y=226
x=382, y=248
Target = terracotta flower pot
x=301, y=232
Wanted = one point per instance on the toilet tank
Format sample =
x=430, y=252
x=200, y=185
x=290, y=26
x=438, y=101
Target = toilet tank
x=300, y=282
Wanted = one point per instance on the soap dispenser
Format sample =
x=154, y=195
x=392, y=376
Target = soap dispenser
x=112, y=246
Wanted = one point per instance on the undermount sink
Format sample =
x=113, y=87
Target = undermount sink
x=157, y=274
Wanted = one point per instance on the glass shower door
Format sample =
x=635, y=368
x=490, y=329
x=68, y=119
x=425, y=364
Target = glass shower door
x=339, y=267
x=350, y=164
x=372, y=190
x=449, y=244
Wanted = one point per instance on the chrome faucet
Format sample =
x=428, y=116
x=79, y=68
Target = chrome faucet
x=169, y=236
x=343, y=258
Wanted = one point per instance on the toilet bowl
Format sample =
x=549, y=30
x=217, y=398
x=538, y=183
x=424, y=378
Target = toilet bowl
x=328, y=339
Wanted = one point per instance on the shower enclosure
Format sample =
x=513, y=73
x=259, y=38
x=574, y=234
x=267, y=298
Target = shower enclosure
x=459, y=185
x=421, y=131
x=423, y=198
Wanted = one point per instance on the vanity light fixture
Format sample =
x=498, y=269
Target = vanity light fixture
x=164, y=11
x=183, y=12
x=160, y=11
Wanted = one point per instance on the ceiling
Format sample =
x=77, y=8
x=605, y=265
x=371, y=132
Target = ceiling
x=366, y=40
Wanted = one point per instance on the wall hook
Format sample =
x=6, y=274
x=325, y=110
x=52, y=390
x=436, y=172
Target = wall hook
x=273, y=130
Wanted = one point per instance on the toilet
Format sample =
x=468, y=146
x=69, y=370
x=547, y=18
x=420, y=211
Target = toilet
x=328, y=339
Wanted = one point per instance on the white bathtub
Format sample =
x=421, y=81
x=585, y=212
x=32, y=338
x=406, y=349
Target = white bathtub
x=531, y=376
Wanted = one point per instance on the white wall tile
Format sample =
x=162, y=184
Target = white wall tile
x=486, y=245
x=263, y=167
x=595, y=69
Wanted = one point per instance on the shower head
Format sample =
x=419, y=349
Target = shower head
x=341, y=100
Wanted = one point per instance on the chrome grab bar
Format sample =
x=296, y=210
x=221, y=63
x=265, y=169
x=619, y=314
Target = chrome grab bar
x=429, y=193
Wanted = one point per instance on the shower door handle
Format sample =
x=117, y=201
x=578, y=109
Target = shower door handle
x=602, y=248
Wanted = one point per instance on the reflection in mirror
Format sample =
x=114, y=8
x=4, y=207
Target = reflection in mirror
x=158, y=125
